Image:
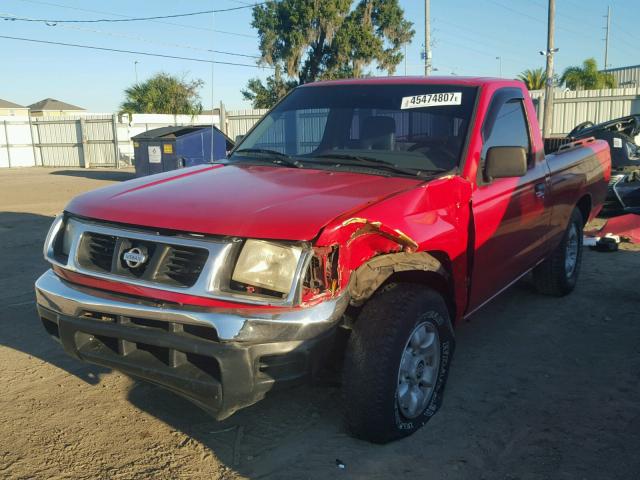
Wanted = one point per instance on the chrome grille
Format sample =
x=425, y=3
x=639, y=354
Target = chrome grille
x=182, y=265
x=179, y=262
x=165, y=264
x=100, y=249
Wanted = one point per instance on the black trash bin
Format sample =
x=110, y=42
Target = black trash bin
x=169, y=148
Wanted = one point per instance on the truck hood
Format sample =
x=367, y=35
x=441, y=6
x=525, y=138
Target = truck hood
x=244, y=201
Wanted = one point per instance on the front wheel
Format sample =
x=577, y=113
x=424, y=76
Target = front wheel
x=397, y=363
x=558, y=274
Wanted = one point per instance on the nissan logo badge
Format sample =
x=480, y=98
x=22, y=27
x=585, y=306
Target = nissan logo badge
x=134, y=257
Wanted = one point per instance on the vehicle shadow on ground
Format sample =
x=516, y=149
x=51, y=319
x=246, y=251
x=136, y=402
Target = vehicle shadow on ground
x=530, y=378
x=258, y=440
x=281, y=432
x=512, y=389
x=21, y=263
x=117, y=176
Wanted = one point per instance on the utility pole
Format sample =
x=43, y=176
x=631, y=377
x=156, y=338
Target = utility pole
x=548, y=90
x=606, y=38
x=405, y=59
x=135, y=69
x=213, y=43
x=427, y=38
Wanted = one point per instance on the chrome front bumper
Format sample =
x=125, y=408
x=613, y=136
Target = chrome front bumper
x=222, y=360
x=65, y=298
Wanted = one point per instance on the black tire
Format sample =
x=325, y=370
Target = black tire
x=372, y=361
x=551, y=277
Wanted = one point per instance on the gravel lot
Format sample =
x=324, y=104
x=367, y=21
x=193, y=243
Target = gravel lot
x=540, y=387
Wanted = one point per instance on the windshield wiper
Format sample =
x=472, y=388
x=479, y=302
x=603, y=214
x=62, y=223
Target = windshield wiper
x=360, y=160
x=283, y=158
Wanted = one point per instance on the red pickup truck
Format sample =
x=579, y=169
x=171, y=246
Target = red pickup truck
x=381, y=211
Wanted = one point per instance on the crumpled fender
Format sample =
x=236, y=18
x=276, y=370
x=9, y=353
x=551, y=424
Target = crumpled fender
x=368, y=277
x=408, y=231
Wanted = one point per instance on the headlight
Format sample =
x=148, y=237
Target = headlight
x=267, y=265
x=57, y=246
x=51, y=236
x=68, y=234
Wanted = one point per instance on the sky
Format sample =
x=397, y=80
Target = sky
x=470, y=37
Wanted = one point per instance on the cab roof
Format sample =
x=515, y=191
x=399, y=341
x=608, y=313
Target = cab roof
x=417, y=80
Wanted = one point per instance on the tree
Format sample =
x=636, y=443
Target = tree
x=534, y=79
x=307, y=41
x=163, y=93
x=265, y=96
x=587, y=77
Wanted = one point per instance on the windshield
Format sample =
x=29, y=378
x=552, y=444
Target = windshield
x=405, y=128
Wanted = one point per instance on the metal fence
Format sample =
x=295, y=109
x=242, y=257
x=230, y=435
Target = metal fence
x=239, y=122
x=79, y=141
x=105, y=140
x=571, y=108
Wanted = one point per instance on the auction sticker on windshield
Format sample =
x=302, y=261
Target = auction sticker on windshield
x=431, y=100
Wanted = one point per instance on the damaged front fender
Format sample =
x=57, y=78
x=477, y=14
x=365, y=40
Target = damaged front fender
x=371, y=275
x=422, y=230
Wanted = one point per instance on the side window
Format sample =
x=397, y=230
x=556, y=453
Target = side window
x=509, y=128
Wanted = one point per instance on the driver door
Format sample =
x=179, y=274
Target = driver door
x=511, y=215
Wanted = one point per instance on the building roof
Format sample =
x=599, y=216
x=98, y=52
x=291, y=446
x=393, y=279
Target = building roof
x=52, y=104
x=617, y=69
x=8, y=104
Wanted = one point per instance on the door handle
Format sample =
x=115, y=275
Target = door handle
x=540, y=190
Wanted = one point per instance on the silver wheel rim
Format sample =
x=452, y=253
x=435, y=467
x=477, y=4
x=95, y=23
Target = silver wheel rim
x=418, y=371
x=571, y=254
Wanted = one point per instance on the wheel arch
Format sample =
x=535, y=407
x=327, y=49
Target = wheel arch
x=431, y=269
x=584, y=205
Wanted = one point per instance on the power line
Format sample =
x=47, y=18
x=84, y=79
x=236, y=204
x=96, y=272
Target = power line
x=181, y=25
x=494, y=45
x=146, y=40
x=118, y=20
x=149, y=54
x=633, y=35
x=625, y=44
x=509, y=59
x=536, y=19
x=531, y=17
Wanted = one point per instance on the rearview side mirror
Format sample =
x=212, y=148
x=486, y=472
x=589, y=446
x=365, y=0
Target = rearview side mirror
x=504, y=162
x=239, y=138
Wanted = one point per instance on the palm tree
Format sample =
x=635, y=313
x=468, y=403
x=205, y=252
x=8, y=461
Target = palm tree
x=534, y=79
x=587, y=77
x=163, y=93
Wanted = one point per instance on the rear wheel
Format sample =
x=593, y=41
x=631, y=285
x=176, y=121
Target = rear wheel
x=397, y=363
x=558, y=274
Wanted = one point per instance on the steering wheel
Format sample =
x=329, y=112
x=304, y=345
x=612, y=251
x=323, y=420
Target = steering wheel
x=636, y=126
x=632, y=125
x=431, y=142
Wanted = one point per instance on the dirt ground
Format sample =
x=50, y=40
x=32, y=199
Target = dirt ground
x=540, y=388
